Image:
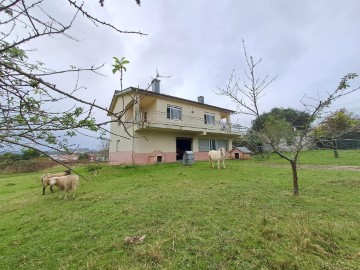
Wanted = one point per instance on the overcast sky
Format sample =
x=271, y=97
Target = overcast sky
x=309, y=44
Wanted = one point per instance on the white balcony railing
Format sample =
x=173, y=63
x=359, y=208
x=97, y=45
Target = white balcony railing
x=161, y=120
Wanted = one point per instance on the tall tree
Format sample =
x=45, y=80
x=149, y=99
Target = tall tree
x=286, y=123
x=247, y=94
x=296, y=118
x=28, y=117
x=119, y=66
x=335, y=127
x=276, y=129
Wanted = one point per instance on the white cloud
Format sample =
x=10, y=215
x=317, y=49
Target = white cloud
x=310, y=45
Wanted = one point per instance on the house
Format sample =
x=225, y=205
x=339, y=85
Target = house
x=160, y=128
x=92, y=157
x=65, y=157
x=240, y=153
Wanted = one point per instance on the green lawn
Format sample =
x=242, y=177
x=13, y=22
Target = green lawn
x=243, y=217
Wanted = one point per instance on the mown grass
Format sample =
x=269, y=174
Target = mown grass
x=322, y=157
x=243, y=217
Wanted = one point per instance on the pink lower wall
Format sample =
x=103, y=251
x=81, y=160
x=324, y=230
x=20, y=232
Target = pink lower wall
x=117, y=158
x=201, y=156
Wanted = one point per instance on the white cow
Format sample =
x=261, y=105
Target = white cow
x=218, y=156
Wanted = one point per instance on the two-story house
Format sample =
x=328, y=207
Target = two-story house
x=160, y=128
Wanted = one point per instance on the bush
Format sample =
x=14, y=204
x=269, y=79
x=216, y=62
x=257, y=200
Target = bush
x=30, y=153
x=93, y=168
x=24, y=166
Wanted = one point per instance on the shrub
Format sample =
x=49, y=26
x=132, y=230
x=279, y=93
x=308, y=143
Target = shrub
x=93, y=168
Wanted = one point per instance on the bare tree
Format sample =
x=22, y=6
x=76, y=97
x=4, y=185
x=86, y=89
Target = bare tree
x=28, y=117
x=247, y=94
x=103, y=150
x=276, y=132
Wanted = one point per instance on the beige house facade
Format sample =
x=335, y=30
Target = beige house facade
x=160, y=128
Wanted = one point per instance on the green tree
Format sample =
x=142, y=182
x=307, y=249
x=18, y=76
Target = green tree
x=119, y=66
x=28, y=117
x=9, y=157
x=296, y=118
x=335, y=127
x=84, y=156
x=30, y=153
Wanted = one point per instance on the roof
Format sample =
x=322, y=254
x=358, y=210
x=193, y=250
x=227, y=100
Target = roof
x=151, y=93
x=156, y=152
x=244, y=150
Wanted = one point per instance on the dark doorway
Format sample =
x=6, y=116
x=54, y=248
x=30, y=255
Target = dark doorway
x=182, y=145
x=237, y=156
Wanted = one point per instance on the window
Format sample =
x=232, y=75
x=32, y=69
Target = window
x=173, y=112
x=207, y=145
x=209, y=118
x=204, y=146
x=221, y=143
x=117, y=145
x=145, y=116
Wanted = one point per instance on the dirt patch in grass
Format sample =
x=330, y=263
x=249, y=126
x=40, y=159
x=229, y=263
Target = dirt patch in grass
x=332, y=168
x=347, y=182
x=320, y=167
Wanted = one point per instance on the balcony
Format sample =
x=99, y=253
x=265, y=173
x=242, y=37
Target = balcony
x=159, y=120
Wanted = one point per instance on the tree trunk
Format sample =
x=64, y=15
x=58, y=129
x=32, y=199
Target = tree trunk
x=336, y=154
x=260, y=150
x=295, y=178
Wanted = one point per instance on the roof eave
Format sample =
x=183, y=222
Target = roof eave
x=130, y=89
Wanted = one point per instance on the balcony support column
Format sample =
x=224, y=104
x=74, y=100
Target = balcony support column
x=136, y=112
x=228, y=120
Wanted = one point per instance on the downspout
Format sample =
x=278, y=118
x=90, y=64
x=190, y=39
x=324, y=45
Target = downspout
x=132, y=147
x=135, y=115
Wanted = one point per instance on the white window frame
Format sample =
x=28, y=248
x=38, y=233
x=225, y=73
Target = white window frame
x=206, y=145
x=173, y=112
x=209, y=119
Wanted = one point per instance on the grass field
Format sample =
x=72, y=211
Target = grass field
x=194, y=217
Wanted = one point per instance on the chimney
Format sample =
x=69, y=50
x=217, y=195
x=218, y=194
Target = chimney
x=155, y=85
x=201, y=99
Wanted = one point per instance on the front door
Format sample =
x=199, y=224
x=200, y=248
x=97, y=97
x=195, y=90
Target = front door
x=182, y=144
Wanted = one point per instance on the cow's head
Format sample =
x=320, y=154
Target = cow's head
x=222, y=152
